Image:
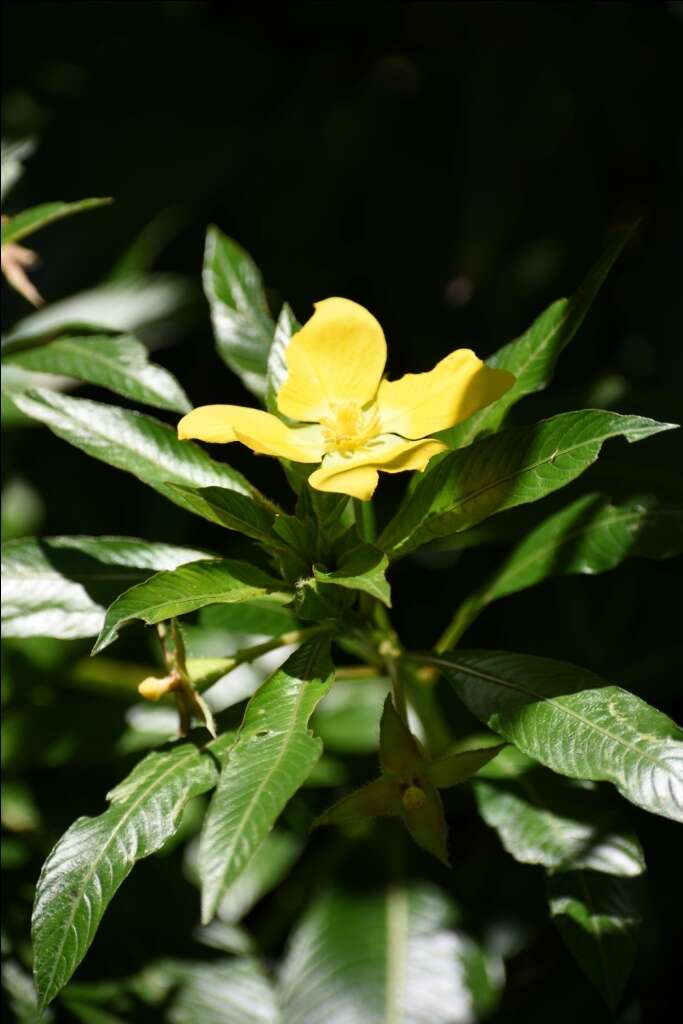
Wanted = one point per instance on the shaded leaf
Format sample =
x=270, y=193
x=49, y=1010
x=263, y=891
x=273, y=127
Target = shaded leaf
x=377, y=798
x=95, y=855
x=131, y=441
x=178, y=591
x=231, y=509
x=61, y=586
x=273, y=755
x=542, y=818
x=533, y=356
x=598, y=917
x=242, y=325
x=590, y=535
x=119, y=363
x=511, y=468
x=362, y=568
x=452, y=769
x=571, y=721
x=385, y=956
x=28, y=221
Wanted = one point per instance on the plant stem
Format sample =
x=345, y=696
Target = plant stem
x=295, y=636
x=364, y=514
x=464, y=616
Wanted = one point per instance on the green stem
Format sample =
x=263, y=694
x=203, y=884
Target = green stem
x=364, y=514
x=295, y=636
x=464, y=616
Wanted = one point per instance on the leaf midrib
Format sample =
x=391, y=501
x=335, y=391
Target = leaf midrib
x=115, y=831
x=506, y=684
x=541, y=550
x=473, y=495
x=274, y=765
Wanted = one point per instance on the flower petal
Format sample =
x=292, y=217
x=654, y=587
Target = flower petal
x=263, y=433
x=337, y=356
x=421, y=403
x=355, y=473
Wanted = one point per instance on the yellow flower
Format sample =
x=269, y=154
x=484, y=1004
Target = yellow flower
x=352, y=421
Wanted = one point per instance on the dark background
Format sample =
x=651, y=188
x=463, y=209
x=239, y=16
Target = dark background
x=453, y=166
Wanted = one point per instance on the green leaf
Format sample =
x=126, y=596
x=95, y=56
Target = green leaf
x=362, y=568
x=12, y=155
x=95, y=855
x=28, y=221
x=272, y=757
x=598, y=917
x=277, y=361
x=21, y=995
x=61, y=586
x=385, y=956
x=590, y=535
x=231, y=509
x=377, y=798
x=242, y=325
x=452, y=769
x=571, y=721
x=182, y=590
x=511, y=468
x=136, y=443
x=118, y=363
x=149, y=303
x=542, y=818
x=225, y=991
x=532, y=357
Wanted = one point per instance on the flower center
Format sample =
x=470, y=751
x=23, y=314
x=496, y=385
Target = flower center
x=348, y=426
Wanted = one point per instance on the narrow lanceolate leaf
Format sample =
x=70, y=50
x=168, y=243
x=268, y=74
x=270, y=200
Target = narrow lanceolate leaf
x=363, y=568
x=542, y=818
x=273, y=755
x=512, y=468
x=28, y=221
x=131, y=441
x=532, y=357
x=183, y=590
x=233, y=510
x=598, y=917
x=242, y=325
x=571, y=721
x=117, y=362
x=589, y=536
x=277, y=360
x=61, y=586
x=95, y=855
x=383, y=957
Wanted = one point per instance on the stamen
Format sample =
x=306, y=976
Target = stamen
x=348, y=426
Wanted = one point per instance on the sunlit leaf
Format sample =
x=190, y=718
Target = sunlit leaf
x=511, y=468
x=94, y=856
x=118, y=363
x=277, y=362
x=273, y=755
x=61, y=586
x=134, y=442
x=178, y=591
x=571, y=721
x=384, y=956
x=242, y=325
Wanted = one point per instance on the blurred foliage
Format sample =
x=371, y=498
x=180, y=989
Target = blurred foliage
x=454, y=167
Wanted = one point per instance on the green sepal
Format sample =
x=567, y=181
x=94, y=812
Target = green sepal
x=452, y=769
